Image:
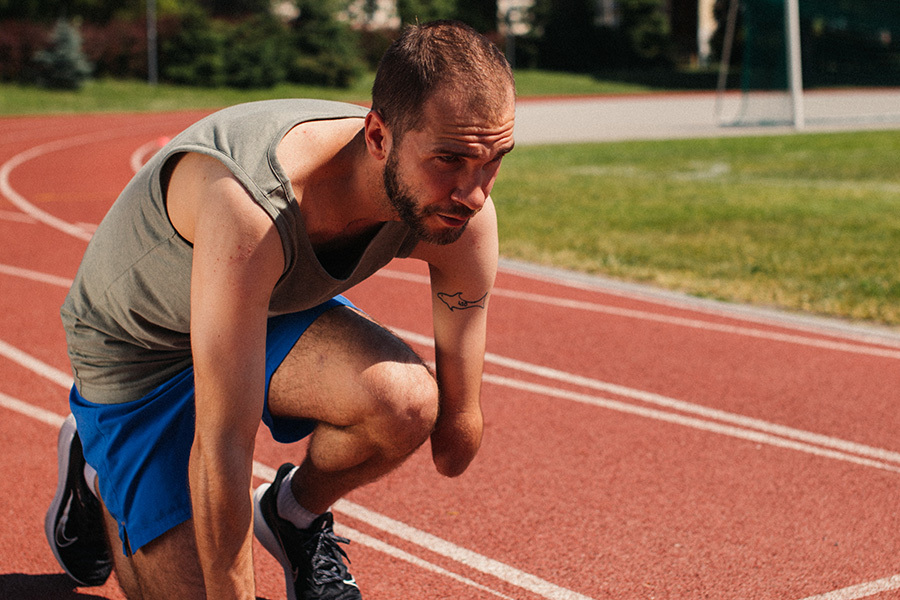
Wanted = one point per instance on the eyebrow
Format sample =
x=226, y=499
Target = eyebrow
x=472, y=154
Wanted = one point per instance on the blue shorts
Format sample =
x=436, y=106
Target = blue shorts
x=141, y=449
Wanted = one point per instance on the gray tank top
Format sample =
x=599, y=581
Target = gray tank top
x=127, y=315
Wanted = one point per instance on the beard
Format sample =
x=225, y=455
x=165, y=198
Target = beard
x=402, y=200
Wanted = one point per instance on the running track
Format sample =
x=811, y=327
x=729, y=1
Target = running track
x=637, y=445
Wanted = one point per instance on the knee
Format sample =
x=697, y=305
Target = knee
x=406, y=398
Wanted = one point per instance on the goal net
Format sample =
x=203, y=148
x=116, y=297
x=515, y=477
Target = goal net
x=830, y=61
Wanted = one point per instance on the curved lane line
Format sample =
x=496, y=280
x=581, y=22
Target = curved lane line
x=30, y=209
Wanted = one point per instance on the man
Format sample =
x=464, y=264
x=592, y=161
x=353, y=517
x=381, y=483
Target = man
x=207, y=300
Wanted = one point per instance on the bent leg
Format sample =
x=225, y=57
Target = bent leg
x=374, y=400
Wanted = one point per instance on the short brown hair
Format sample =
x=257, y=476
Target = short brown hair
x=432, y=55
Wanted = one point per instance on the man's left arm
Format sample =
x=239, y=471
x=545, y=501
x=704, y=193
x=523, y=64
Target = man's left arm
x=462, y=276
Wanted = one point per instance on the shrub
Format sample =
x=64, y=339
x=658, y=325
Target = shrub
x=326, y=50
x=568, y=36
x=19, y=42
x=257, y=53
x=63, y=65
x=647, y=29
x=195, y=53
x=117, y=49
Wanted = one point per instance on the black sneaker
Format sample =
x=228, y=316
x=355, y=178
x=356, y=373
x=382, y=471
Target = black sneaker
x=312, y=560
x=74, y=522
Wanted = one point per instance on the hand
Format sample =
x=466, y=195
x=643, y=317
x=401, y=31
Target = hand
x=455, y=441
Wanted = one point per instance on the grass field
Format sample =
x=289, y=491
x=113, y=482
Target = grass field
x=804, y=222
x=112, y=95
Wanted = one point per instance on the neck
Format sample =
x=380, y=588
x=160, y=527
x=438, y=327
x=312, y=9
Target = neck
x=339, y=187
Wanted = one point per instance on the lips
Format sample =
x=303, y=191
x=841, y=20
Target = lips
x=454, y=221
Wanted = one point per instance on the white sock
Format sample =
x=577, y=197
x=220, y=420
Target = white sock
x=90, y=476
x=288, y=507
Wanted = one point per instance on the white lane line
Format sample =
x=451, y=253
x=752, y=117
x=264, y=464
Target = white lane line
x=29, y=410
x=771, y=317
x=696, y=409
x=803, y=340
x=471, y=559
x=137, y=157
x=704, y=325
x=467, y=557
x=442, y=547
x=862, y=590
x=15, y=216
x=378, y=545
x=144, y=152
x=758, y=437
x=36, y=365
x=30, y=209
x=856, y=592
x=765, y=431
x=27, y=207
x=851, y=347
x=63, y=282
x=879, y=454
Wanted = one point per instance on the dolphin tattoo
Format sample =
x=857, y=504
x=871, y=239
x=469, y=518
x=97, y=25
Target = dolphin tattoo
x=456, y=301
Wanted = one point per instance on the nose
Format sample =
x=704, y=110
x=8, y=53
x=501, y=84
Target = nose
x=472, y=192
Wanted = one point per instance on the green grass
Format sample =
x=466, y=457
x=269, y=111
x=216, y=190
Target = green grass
x=107, y=95
x=116, y=96
x=807, y=222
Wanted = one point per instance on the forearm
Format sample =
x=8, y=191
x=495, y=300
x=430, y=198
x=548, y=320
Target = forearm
x=458, y=433
x=222, y=516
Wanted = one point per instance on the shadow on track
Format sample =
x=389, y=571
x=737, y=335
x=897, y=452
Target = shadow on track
x=57, y=586
x=40, y=587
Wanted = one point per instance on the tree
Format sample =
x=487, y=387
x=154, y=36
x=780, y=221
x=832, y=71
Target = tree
x=326, y=50
x=647, y=30
x=63, y=65
x=194, y=55
x=479, y=14
x=569, y=36
x=412, y=11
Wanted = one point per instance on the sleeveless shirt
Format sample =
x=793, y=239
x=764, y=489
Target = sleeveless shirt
x=127, y=314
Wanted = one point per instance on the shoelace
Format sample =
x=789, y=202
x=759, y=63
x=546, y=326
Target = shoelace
x=327, y=565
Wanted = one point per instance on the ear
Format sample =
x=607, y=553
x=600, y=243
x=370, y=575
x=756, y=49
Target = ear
x=378, y=136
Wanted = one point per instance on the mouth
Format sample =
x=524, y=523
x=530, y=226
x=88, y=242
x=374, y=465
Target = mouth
x=453, y=221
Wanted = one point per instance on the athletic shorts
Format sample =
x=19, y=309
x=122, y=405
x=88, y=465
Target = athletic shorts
x=141, y=449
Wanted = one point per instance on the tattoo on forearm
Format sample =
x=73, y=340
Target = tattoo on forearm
x=457, y=302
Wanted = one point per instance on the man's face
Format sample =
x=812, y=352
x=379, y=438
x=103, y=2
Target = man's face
x=440, y=174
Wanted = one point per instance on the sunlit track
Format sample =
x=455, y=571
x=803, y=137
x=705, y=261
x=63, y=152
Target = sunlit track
x=468, y=558
x=791, y=338
x=749, y=428
x=66, y=143
x=682, y=497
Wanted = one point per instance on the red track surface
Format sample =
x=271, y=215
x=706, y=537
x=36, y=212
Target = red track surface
x=634, y=447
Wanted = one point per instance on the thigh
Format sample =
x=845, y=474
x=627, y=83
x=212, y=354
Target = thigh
x=341, y=364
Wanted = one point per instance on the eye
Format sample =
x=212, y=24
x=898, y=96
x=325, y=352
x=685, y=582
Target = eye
x=448, y=158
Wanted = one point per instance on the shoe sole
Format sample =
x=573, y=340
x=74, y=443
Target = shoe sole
x=63, y=452
x=270, y=542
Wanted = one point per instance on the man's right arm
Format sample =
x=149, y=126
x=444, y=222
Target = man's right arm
x=237, y=260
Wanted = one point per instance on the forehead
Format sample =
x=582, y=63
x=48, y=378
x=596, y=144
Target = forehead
x=450, y=120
